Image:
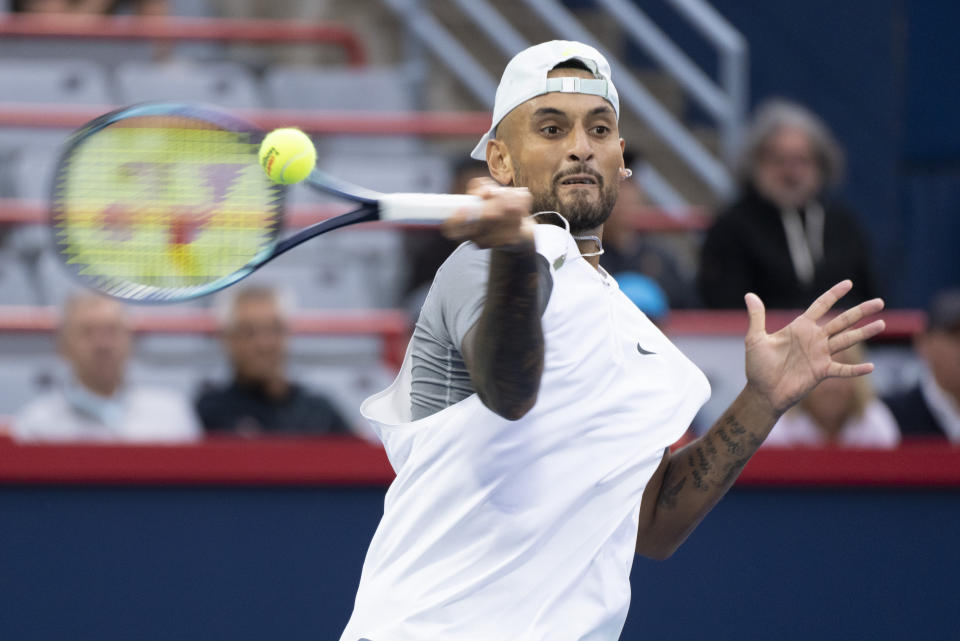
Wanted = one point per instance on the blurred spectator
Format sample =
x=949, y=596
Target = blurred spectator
x=261, y=399
x=97, y=403
x=932, y=407
x=783, y=238
x=427, y=248
x=839, y=411
x=625, y=249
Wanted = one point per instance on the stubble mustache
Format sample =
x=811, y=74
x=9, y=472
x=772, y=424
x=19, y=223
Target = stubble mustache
x=579, y=169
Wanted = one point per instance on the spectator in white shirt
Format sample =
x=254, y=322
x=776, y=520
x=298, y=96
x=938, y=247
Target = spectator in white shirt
x=97, y=403
x=839, y=411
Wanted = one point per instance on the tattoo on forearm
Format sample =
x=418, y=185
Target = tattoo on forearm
x=668, y=495
x=735, y=426
x=509, y=342
x=699, y=482
x=702, y=462
x=707, y=465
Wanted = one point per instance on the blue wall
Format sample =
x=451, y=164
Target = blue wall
x=882, y=74
x=104, y=564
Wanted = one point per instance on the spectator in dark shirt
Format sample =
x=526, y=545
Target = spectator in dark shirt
x=932, y=407
x=783, y=238
x=261, y=399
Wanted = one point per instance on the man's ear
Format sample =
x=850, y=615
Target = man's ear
x=499, y=162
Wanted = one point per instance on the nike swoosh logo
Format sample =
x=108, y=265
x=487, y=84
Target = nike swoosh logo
x=643, y=351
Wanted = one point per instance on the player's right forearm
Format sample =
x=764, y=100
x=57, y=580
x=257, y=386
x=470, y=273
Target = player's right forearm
x=507, y=346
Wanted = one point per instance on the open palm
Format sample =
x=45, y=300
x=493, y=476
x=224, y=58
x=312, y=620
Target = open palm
x=784, y=366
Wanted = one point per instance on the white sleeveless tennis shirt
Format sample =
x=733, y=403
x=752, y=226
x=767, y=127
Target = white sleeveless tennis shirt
x=498, y=530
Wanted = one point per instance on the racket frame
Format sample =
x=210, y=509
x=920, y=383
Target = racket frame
x=373, y=206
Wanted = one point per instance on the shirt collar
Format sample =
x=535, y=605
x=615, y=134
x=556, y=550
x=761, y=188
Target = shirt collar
x=107, y=410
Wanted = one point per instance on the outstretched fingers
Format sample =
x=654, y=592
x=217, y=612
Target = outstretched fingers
x=827, y=300
x=843, y=340
x=853, y=316
x=847, y=370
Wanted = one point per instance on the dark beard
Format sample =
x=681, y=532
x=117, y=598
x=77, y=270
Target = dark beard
x=581, y=212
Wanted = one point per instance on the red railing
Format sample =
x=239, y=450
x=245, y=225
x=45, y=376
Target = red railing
x=393, y=324
x=175, y=29
x=340, y=461
x=901, y=324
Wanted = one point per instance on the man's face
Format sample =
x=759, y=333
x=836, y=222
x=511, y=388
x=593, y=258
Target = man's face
x=257, y=340
x=566, y=149
x=832, y=401
x=786, y=171
x=941, y=350
x=96, y=340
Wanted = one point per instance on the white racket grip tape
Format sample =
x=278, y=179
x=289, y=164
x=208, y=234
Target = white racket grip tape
x=425, y=207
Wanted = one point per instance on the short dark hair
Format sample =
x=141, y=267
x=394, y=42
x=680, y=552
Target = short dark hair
x=573, y=63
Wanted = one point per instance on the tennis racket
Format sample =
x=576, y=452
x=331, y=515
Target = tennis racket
x=161, y=203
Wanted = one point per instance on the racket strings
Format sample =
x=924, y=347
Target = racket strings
x=158, y=206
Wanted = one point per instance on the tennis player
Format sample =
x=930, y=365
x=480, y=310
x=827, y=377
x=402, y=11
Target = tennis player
x=530, y=423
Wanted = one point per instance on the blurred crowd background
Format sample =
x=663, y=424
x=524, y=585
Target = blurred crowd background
x=777, y=148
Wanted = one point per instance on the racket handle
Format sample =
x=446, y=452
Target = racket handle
x=424, y=207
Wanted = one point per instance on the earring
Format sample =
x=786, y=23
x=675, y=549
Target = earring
x=625, y=173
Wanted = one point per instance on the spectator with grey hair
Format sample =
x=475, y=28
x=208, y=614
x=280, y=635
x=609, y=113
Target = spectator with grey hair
x=97, y=403
x=261, y=399
x=783, y=237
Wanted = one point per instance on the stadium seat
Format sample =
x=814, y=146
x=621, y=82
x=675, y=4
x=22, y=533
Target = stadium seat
x=321, y=283
x=364, y=268
x=55, y=282
x=64, y=82
x=224, y=84
x=17, y=285
x=370, y=89
x=389, y=172
x=13, y=143
x=30, y=271
x=348, y=90
x=31, y=167
x=105, y=52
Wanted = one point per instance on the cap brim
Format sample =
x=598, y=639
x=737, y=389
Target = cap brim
x=480, y=151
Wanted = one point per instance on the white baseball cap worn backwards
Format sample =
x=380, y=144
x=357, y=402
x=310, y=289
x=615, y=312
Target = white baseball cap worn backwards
x=525, y=77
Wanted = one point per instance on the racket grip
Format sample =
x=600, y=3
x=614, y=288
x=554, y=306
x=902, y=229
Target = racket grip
x=424, y=207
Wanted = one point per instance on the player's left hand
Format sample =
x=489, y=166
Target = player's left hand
x=783, y=367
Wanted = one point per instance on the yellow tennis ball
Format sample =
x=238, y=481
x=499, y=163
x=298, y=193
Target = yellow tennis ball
x=287, y=155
